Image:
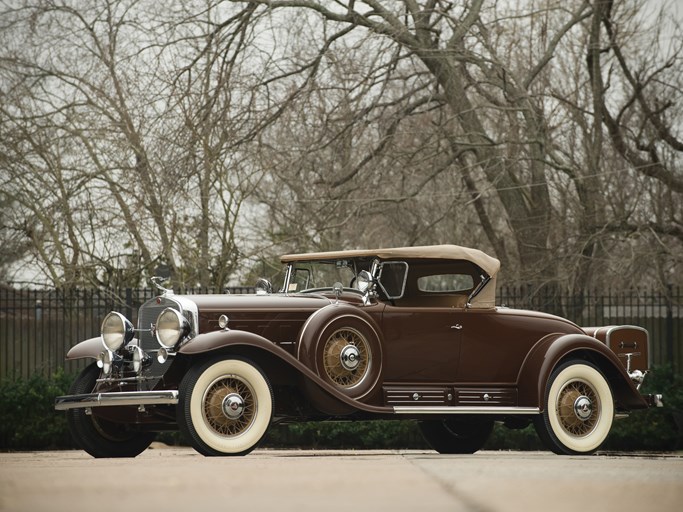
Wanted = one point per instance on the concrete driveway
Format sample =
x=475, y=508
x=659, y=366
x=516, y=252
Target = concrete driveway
x=178, y=479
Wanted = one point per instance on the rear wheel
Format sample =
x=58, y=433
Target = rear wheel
x=102, y=438
x=225, y=406
x=458, y=435
x=579, y=409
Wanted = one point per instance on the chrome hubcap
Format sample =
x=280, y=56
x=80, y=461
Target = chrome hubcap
x=583, y=408
x=233, y=406
x=350, y=357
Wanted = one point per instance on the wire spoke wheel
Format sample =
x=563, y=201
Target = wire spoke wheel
x=225, y=406
x=342, y=345
x=214, y=401
x=579, y=409
x=346, y=357
x=571, y=397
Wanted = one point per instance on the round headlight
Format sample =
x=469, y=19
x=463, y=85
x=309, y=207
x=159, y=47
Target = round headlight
x=171, y=326
x=116, y=330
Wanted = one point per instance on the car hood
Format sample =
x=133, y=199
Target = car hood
x=258, y=302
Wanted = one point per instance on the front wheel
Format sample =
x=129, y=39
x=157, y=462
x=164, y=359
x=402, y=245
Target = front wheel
x=97, y=436
x=458, y=435
x=225, y=406
x=579, y=409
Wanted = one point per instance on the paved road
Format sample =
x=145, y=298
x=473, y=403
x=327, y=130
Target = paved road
x=177, y=479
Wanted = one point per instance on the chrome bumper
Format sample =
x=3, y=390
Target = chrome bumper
x=166, y=397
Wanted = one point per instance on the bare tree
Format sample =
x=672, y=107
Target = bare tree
x=120, y=160
x=470, y=80
x=214, y=135
x=517, y=97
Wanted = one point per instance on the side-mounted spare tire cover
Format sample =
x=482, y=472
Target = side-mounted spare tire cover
x=342, y=345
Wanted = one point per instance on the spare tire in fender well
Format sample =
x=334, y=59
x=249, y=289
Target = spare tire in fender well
x=343, y=346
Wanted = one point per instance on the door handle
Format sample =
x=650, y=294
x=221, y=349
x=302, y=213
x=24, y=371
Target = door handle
x=456, y=326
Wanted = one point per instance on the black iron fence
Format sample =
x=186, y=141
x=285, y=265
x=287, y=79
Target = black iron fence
x=37, y=327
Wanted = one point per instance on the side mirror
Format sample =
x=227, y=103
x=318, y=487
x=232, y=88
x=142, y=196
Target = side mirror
x=337, y=288
x=364, y=281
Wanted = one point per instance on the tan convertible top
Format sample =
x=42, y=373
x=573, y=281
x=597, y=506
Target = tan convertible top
x=447, y=252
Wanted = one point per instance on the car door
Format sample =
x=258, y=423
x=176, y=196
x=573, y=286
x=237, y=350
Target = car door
x=422, y=344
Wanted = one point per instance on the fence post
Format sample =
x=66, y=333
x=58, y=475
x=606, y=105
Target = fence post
x=129, y=304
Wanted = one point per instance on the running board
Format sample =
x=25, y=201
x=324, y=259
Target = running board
x=503, y=411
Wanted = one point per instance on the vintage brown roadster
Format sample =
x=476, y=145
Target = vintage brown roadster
x=408, y=333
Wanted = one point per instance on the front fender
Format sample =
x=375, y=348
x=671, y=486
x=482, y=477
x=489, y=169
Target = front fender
x=215, y=340
x=91, y=347
x=552, y=349
x=218, y=339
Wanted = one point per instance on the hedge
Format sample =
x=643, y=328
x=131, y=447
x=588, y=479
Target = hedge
x=29, y=422
x=27, y=408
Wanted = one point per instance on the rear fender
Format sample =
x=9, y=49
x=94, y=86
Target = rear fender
x=239, y=340
x=551, y=350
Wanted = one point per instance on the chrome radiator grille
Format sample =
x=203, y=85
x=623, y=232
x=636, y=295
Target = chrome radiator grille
x=147, y=315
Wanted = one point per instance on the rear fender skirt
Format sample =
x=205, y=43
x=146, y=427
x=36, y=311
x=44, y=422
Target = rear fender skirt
x=552, y=349
x=92, y=347
x=233, y=338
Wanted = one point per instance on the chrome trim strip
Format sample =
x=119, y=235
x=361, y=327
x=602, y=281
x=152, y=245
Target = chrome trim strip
x=465, y=410
x=167, y=397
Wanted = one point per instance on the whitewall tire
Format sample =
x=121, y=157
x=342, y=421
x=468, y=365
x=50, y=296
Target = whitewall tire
x=225, y=406
x=579, y=409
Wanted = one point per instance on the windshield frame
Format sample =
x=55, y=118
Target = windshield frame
x=290, y=285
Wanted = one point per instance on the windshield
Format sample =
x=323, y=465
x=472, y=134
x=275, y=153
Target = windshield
x=314, y=275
